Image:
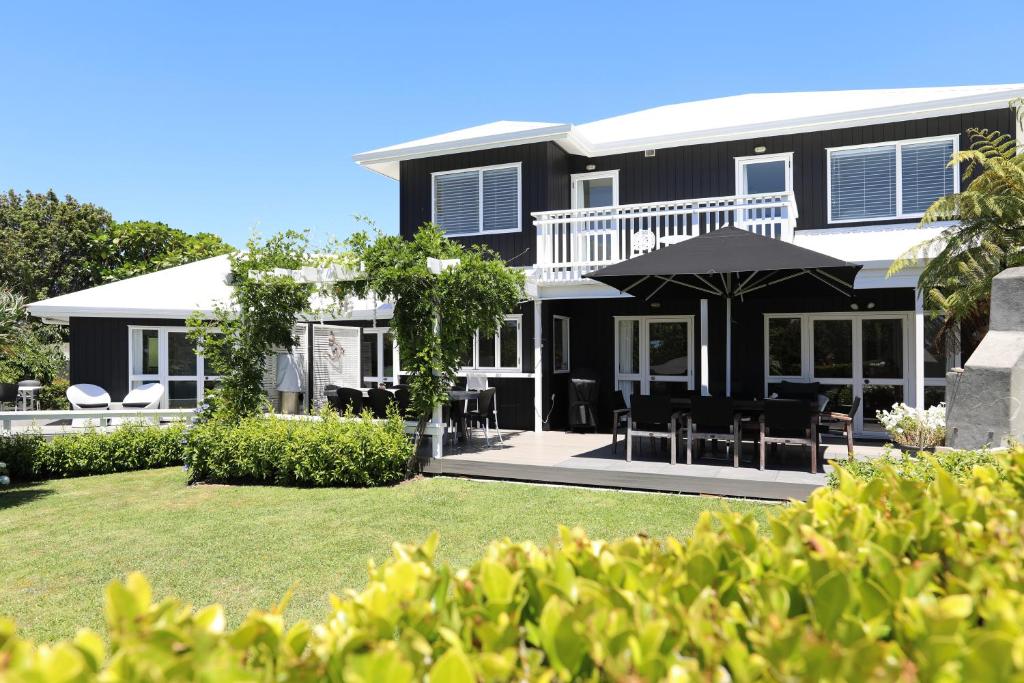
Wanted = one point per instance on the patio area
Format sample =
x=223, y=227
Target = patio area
x=588, y=460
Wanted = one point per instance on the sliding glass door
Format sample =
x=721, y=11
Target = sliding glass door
x=861, y=356
x=164, y=355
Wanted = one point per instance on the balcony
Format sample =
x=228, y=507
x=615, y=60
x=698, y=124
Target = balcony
x=573, y=242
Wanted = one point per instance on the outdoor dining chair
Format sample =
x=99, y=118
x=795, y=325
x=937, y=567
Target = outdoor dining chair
x=653, y=417
x=716, y=419
x=620, y=417
x=790, y=421
x=8, y=395
x=483, y=414
x=843, y=423
x=379, y=400
x=345, y=398
x=404, y=399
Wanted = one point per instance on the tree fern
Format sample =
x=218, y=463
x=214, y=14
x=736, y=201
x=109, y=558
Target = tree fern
x=987, y=235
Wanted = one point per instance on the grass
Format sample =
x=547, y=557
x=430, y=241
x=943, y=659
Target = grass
x=62, y=541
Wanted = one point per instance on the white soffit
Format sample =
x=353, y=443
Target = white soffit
x=727, y=118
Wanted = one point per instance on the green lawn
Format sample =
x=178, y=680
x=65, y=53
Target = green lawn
x=62, y=541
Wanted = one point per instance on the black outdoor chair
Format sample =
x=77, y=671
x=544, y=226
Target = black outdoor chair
x=484, y=413
x=345, y=398
x=620, y=417
x=843, y=423
x=790, y=421
x=653, y=417
x=8, y=394
x=582, y=404
x=716, y=419
x=379, y=400
x=803, y=391
x=403, y=399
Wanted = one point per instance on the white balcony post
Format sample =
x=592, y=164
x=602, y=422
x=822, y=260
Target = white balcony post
x=705, y=380
x=917, y=353
x=538, y=366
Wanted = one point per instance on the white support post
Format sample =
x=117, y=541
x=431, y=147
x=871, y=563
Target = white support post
x=538, y=366
x=728, y=346
x=917, y=353
x=705, y=380
x=436, y=419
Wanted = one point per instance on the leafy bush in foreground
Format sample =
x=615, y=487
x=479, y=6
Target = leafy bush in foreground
x=958, y=464
x=329, y=451
x=129, y=447
x=891, y=579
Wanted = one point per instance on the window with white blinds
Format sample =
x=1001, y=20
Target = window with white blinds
x=478, y=200
x=926, y=176
x=892, y=180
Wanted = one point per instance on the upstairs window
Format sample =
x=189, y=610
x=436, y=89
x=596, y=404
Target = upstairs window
x=478, y=200
x=890, y=180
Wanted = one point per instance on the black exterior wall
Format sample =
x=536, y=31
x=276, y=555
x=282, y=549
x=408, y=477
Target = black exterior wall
x=706, y=170
x=99, y=351
x=592, y=338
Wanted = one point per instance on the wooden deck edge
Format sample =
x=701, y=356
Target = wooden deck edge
x=640, y=481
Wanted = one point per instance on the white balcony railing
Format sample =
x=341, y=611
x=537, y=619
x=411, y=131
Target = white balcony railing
x=574, y=242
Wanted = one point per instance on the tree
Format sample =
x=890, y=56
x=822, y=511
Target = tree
x=139, y=247
x=54, y=246
x=986, y=238
x=49, y=245
x=28, y=350
x=434, y=314
x=239, y=337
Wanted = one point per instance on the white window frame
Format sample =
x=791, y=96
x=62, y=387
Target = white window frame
x=517, y=318
x=898, y=144
x=743, y=162
x=163, y=376
x=643, y=374
x=374, y=380
x=594, y=175
x=518, y=165
x=565, y=323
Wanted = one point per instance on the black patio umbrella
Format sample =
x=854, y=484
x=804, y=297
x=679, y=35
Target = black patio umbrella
x=727, y=263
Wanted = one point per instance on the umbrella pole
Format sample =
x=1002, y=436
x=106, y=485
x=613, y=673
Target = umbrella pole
x=728, y=346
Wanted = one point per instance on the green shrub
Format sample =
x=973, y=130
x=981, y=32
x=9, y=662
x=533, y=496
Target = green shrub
x=54, y=396
x=329, y=451
x=129, y=447
x=958, y=464
x=890, y=579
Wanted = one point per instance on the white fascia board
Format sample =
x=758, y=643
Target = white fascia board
x=580, y=289
x=53, y=314
x=959, y=105
x=385, y=161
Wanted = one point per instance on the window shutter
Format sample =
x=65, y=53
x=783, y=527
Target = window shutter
x=457, y=201
x=501, y=199
x=925, y=175
x=863, y=183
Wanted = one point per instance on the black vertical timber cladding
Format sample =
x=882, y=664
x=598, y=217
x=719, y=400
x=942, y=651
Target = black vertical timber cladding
x=545, y=185
x=705, y=170
x=99, y=351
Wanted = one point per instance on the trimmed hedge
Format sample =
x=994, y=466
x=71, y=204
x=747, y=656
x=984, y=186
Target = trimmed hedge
x=891, y=579
x=329, y=451
x=130, y=447
x=958, y=464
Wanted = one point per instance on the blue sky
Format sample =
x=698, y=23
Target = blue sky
x=229, y=117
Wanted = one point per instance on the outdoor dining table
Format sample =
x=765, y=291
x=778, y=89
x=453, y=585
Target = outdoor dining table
x=464, y=395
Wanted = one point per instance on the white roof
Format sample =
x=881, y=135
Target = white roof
x=726, y=118
x=175, y=293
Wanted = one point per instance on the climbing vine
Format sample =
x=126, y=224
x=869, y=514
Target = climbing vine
x=475, y=294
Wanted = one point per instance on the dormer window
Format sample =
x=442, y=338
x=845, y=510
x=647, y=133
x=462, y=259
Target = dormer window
x=482, y=200
x=890, y=180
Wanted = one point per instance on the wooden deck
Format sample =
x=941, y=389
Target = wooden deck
x=588, y=460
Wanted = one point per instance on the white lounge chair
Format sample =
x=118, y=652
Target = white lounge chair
x=144, y=397
x=87, y=397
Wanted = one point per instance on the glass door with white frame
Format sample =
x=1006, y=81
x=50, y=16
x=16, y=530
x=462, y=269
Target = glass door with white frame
x=597, y=237
x=764, y=174
x=166, y=356
x=654, y=355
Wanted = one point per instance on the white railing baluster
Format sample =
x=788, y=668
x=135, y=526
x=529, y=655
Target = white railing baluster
x=573, y=242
